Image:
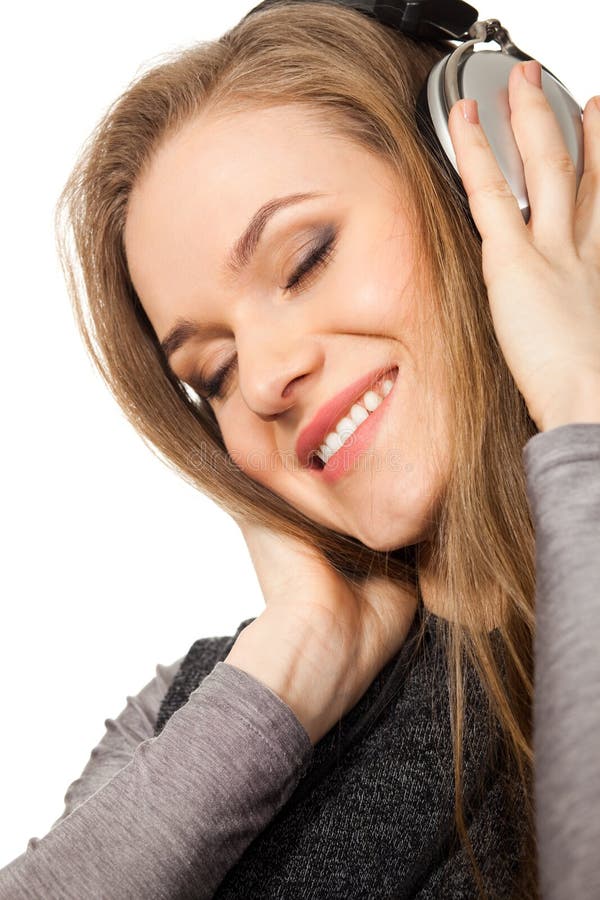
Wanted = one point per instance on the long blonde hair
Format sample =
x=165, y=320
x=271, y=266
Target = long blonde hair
x=362, y=79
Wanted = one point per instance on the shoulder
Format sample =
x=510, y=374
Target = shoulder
x=206, y=652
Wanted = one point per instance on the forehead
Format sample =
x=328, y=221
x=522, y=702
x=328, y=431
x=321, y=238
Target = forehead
x=205, y=182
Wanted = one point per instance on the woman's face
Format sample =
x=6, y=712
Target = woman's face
x=295, y=349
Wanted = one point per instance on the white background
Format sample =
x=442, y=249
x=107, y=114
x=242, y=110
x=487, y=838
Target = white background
x=110, y=562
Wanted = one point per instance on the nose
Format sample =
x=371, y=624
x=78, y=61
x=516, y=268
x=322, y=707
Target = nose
x=272, y=369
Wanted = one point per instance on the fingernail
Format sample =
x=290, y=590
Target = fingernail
x=470, y=111
x=597, y=102
x=533, y=72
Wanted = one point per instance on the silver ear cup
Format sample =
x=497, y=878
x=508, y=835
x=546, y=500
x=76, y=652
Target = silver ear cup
x=483, y=76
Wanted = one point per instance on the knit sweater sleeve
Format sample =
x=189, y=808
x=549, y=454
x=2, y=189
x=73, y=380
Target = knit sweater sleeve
x=562, y=466
x=179, y=814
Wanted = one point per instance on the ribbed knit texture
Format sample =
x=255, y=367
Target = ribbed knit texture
x=380, y=822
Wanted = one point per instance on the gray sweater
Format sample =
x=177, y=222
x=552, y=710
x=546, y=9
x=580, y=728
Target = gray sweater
x=151, y=816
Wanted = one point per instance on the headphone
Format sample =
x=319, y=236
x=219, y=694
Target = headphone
x=481, y=76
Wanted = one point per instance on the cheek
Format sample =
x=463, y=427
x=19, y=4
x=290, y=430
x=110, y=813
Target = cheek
x=248, y=443
x=376, y=287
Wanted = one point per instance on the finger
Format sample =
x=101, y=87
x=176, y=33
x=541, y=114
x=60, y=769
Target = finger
x=494, y=206
x=587, y=205
x=547, y=164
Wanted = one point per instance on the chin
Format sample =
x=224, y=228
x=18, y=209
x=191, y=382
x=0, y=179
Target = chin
x=383, y=542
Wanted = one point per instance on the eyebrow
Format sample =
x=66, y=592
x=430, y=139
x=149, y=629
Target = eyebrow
x=237, y=260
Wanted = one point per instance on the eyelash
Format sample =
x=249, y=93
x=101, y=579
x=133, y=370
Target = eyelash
x=317, y=259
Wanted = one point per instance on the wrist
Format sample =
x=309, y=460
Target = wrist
x=578, y=404
x=294, y=669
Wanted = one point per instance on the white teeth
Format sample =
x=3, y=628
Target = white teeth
x=371, y=400
x=333, y=441
x=324, y=452
x=348, y=425
x=345, y=427
x=358, y=414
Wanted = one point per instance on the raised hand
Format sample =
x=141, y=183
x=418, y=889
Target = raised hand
x=543, y=278
x=320, y=642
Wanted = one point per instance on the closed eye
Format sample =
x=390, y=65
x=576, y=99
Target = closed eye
x=214, y=387
x=312, y=263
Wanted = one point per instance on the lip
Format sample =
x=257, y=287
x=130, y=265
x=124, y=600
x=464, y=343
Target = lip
x=330, y=413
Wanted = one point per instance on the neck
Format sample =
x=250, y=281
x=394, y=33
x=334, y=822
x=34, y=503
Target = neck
x=437, y=601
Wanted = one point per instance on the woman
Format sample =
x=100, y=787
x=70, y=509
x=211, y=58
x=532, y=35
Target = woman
x=371, y=733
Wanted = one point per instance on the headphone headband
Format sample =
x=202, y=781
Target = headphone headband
x=482, y=76
x=422, y=19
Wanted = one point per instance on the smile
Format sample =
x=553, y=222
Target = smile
x=358, y=413
x=354, y=432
